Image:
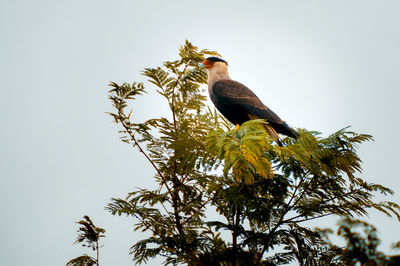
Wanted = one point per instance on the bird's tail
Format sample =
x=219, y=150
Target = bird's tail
x=288, y=131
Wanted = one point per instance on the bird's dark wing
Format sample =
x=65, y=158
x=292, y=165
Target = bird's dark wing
x=238, y=96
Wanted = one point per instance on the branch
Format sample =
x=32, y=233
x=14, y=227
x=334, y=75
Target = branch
x=162, y=204
x=202, y=205
x=145, y=155
x=145, y=223
x=307, y=219
x=179, y=225
x=322, y=202
x=287, y=209
x=294, y=192
x=234, y=222
x=344, y=195
x=172, y=104
x=304, y=191
x=178, y=81
x=181, y=74
x=97, y=251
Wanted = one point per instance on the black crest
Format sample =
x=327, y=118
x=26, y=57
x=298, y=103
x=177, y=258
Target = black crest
x=216, y=59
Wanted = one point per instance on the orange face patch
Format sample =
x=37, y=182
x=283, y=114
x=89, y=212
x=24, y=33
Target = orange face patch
x=208, y=64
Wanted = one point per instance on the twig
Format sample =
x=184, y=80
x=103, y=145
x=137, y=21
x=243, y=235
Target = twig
x=308, y=219
x=287, y=209
x=145, y=155
x=304, y=191
x=202, y=205
x=321, y=202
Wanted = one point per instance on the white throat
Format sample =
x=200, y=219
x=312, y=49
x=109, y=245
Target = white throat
x=217, y=72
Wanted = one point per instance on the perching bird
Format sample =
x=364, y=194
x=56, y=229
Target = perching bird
x=237, y=103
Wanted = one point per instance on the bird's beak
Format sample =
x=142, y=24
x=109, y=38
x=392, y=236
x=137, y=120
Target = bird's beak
x=206, y=64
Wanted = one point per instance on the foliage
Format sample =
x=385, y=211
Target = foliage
x=361, y=246
x=233, y=197
x=84, y=260
x=89, y=236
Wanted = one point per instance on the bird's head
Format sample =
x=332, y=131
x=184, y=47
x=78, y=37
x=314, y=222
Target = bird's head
x=213, y=61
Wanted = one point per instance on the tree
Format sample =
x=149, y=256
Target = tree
x=361, y=246
x=89, y=236
x=261, y=194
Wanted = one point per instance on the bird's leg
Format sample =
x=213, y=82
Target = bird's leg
x=237, y=127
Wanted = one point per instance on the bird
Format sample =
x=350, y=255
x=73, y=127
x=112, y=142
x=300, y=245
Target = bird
x=239, y=104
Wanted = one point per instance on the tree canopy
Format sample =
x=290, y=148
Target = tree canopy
x=89, y=236
x=234, y=197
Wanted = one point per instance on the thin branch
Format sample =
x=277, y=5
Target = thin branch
x=162, y=204
x=172, y=105
x=145, y=223
x=322, y=202
x=181, y=74
x=287, y=209
x=202, y=205
x=97, y=249
x=295, y=190
x=145, y=154
x=304, y=191
x=307, y=219
x=344, y=195
x=178, y=81
x=179, y=225
x=261, y=254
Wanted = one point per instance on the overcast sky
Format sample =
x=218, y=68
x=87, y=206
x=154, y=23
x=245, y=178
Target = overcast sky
x=320, y=65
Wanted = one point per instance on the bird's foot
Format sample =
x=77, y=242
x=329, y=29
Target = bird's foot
x=237, y=127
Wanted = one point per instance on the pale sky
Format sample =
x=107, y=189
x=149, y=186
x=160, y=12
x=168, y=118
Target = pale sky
x=320, y=65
